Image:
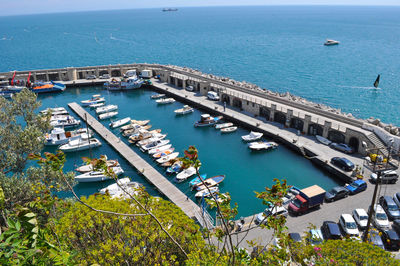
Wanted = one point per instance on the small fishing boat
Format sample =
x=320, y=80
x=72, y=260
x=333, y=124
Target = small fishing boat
x=376, y=83
x=165, y=100
x=41, y=87
x=205, y=193
x=80, y=144
x=89, y=167
x=331, y=42
x=128, y=188
x=185, y=110
x=120, y=123
x=140, y=122
x=97, y=176
x=175, y=168
x=95, y=99
x=185, y=174
x=252, y=136
x=163, y=153
x=228, y=129
x=207, y=120
x=59, y=136
x=323, y=140
x=55, y=111
x=160, y=149
x=197, y=180
x=106, y=109
x=167, y=158
x=107, y=115
x=97, y=105
x=210, y=182
x=223, y=125
x=157, y=96
x=262, y=145
x=154, y=144
x=65, y=121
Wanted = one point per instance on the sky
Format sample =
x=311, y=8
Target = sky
x=20, y=7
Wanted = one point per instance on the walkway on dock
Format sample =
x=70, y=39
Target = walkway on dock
x=152, y=175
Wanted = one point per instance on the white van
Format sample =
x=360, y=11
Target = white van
x=212, y=95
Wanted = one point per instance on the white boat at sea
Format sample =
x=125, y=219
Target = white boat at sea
x=120, y=122
x=154, y=144
x=163, y=153
x=89, y=167
x=205, y=193
x=157, y=96
x=107, y=115
x=252, y=136
x=97, y=105
x=185, y=110
x=323, y=140
x=140, y=122
x=153, y=137
x=331, y=42
x=165, y=100
x=95, y=99
x=55, y=111
x=80, y=144
x=97, y=176
x=106, y=109
x=185, y=174
x=223, y=125
x=160, y=149
x=116, y=191
x=167, y=158
x=64, y=121
x=263, y=145
x=59, y=136
x=228, y=129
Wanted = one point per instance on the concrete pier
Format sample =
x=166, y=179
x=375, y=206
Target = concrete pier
x=152, y=175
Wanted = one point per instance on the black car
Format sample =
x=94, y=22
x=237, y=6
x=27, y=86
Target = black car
x=336, y=193
x=396, y=226
x=396, y=198
x=375, y=239
x=390, y=207
x=295, y=237
x=390, y=239
x=331, y=230
x=342, y=163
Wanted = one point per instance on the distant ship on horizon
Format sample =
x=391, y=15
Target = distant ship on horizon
x=169, y=9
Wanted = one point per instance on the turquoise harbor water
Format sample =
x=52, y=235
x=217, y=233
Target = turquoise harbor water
x=245, y=171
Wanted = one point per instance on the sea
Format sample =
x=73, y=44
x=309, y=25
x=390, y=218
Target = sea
x=276, y=47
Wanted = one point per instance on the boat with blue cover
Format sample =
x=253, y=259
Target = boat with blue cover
x=175, y=168
x=197, y=180
x=42, y=87
x=210, y=182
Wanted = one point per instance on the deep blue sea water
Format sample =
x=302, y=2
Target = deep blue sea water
x=279, y=48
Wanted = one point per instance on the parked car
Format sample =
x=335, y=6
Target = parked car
x=348, y=225
x=390, y=207
x=380, y=218
x=276, y=210
x=342, y=163
x=396, y=226
x=295, y=237
x=361, y=218
x=390, y=239
x=91, y=77
x=105, y=76
x=190, y=88
x=315, y=237
x=336, y=193
x=389, y=176
x=356, y=186
x=396, y=198
x=375, y=239
x=330, y=230
x=212, y=95
x=342, y=147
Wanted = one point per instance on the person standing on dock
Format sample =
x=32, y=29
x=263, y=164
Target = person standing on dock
x=224, y=106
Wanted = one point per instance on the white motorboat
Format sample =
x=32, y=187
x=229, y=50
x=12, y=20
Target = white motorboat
x=165, y=100
x=140, y=122
x=106, y=109
x=154, y=137
x=207, y=120
x=157, y=96
x=263, y=145
x=185, y=174
x=107, y=115
x=223, y=125
x=89, y=167
x=252, y=136
x=154, y=144
x=167, y=158
x=228, y=129
x=163, y=153
x=55, y=111
x=323, y=140
x=97, y=176
x=205, y=193
x=129, y=83
x=116, y=191
x=80, y=144
x=331, y=42
x=160, y=149
x=64, y=121
x=185, y=110
x=95, y=99
x=121, y=122
x=59, y=136
x=97, y=105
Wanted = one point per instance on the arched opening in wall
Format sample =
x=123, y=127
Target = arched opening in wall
x=336, y=136
x=280, y=117
x=296, y=123
x=315, y=129
x=264, y=112
x=237, y=103
x=198, y=86
x=116, y=73
x=225, y=99
x=102, y=72
x=172, y=80
x=354, y=142
x=41, y=77
x=180, y=83
x=53, y=76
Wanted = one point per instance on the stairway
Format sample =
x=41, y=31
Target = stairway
x=372, y=137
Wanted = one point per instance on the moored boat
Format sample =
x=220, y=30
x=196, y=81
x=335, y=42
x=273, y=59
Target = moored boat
x=331, y=42
x=205, y=193
x=95, y=99
x=120, y=122
x=323, y=140
x=89, y=167
x=80, y=144
x=157, y=96
x=252, y=136
x=263, y=145
x=140, y=122
x=65, y=121
x=154, y=144
x=210, y=182
x=223, y=125
x=97, y=176
x=128, y=188
x=107, y=115
x=185, y=174
x=163, y=153
x=55, y=111
x=207, y=120
x=97, y=105
x=59, y=136
x=152, y=137
x=51, y=86
x=228, y=129
x=186, y=109
x=175, y=168
x=165, y=100
x=106, y=109
x=160, y=149
x=167, y=158
x=197, y=180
